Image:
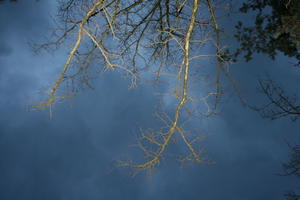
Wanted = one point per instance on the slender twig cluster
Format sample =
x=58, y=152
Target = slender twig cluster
x=162, y=37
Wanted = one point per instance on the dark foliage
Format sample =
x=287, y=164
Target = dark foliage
x=276, y=29
x=292, y=168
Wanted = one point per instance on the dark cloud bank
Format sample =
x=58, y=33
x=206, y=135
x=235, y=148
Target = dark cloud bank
x=70, y=156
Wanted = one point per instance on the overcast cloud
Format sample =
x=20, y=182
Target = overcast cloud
x=71, y=156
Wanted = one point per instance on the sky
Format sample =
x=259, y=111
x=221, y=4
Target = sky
x=71, y=155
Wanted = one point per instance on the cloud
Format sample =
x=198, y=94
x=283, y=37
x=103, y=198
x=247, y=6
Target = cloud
x=71, y=155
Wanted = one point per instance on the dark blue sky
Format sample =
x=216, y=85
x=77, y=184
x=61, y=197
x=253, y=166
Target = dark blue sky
x=71, y=156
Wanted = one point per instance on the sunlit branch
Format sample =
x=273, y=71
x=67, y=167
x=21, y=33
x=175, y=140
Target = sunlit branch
x=52, y=95
x=156, y=158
